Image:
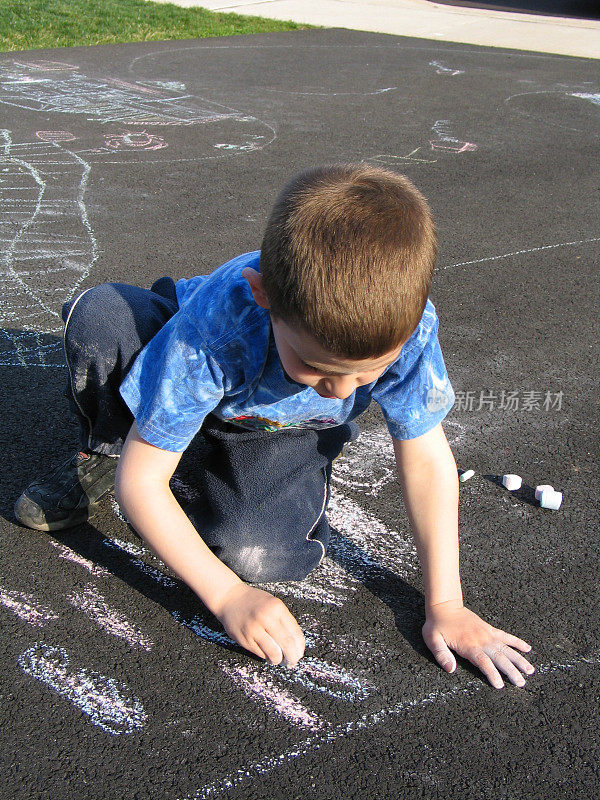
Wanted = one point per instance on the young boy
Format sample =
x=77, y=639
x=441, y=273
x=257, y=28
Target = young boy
x=273, y=356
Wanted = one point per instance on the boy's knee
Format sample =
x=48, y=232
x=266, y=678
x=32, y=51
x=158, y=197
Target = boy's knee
x=95, y=314
x=267, y=559
x=258, y=564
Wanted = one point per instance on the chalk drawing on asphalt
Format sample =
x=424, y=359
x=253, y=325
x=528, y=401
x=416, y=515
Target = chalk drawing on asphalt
x=441, y=69
x=328, y=94
x=568, y=109
x=265, y=683
x=521, y=252
x=368, y=463
x=259, y=685
x=56, y=88
x=329, y=679
x=446, y=141
x=70, y=555
x=55, y=136
x=107, y=703
x=29, y=86
x=132, y=555
x=89, y=601
x=394, y=160
x=316, y=740
x=140, y=140
x=592, y=97
x=47, y=246
x=26, y=606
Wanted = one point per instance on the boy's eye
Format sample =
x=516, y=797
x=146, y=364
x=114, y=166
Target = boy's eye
x=308, y=366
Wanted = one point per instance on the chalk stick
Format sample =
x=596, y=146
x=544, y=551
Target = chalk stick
x=551, y=499
x=512, y=482
x=464, y=476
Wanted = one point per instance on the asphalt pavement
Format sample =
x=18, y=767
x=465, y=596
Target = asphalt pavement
x=128, y=162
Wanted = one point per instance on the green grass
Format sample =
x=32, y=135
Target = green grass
x=29, y=24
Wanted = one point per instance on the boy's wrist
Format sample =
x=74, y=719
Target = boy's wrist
x=448, y=603
x=215, y=598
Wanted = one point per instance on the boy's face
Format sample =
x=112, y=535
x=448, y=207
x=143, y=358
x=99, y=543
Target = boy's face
x=306, y=362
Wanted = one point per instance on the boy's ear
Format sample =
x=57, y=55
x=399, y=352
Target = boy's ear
x=254, y=278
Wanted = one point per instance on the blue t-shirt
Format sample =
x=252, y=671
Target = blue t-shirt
x=217, y=354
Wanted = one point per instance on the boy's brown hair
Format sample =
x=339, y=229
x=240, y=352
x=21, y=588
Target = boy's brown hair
x=348, y=257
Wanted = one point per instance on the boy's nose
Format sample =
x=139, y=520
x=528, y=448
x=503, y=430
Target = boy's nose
x=341, y=387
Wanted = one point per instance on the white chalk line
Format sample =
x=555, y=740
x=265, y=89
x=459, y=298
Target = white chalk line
x=123, y=547
x=309, y=670
x=133, y=554
x=436, y=47
x=368, y=545
x=23, y=245
x=521, y=252
x=331, y=94
x=545, y=120
x=368, y=464
x=109, y=704
x=366, y=721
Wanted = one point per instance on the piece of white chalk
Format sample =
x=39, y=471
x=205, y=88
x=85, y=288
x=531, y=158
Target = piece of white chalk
x=512, y=482
x=464, y=476
x=542, y=488
x=551, y=499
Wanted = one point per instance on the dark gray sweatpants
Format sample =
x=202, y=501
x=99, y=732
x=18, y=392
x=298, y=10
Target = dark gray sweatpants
x=266, y=492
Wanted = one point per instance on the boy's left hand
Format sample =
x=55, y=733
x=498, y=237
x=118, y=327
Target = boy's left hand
x=451, y=625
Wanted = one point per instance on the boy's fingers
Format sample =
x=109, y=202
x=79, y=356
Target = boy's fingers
x=517, y=659
x=486, y=665
x=503, y=663
x=291, y=638
x=514, y=641
x=268, y=648
x=279, y=644
x=441, y=652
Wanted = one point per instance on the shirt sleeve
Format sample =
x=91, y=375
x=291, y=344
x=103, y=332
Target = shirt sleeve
x=173, y=384
x=415, y=393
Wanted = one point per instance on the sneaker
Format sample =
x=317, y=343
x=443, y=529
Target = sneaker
x=68, y=495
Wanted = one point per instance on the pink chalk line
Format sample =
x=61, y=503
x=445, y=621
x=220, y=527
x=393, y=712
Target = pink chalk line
x=26, y=607
x=93, y=604
x=260, y=687
x=108, y=704
x=309, y=672
x=310, y=743
x=70, y=555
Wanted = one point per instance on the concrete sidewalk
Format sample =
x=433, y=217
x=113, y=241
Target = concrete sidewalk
x=427, y=20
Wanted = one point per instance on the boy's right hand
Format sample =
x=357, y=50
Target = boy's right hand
x=262, y=624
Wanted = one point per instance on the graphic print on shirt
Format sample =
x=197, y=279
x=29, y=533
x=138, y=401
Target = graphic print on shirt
x=264, y=424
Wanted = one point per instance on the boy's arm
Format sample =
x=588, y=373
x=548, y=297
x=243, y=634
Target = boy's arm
x=429, y=482
x=255, y=619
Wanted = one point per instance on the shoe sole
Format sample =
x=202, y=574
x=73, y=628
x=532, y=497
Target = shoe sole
x=56, y=525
